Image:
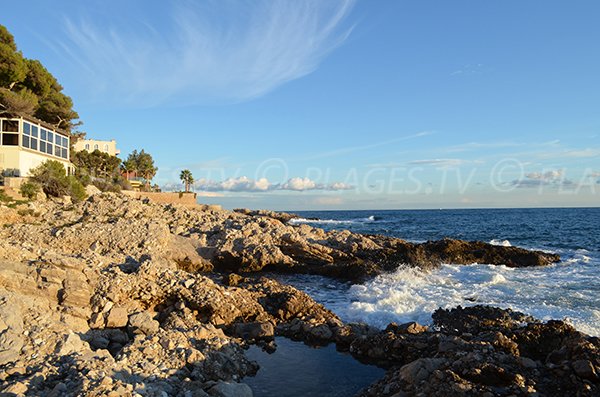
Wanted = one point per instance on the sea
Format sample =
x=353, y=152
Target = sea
x=568, y=290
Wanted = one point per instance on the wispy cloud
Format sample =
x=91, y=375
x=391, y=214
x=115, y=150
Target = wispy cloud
x=469, y=69
x=217, y=51
x=439, y=162
x=352, y=149
x=245, y=184
x=470, y=146
x=555, y=178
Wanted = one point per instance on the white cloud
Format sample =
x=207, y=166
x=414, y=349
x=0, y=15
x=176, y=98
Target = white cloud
x=594, y=174
x=241, y=184
x=546, y=176
x=554, y=178
x=299, y=184
x=245, y=184
x=220, y=51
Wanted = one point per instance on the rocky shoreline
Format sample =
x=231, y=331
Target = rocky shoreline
x=124, y=297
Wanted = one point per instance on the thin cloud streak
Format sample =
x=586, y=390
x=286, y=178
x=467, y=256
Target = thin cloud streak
x=251, y=51
x=352, y=149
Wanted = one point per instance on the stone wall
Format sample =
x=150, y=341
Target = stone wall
x=187, y=199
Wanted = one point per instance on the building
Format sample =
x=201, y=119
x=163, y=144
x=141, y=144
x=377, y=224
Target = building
x=26, y=142
x=89, y=145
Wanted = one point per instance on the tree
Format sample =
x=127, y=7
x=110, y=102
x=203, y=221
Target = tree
x=187, y=179
x=28, y=88
x=96, y=164
x=130, y=164
x=142, y=164
x=13, y=67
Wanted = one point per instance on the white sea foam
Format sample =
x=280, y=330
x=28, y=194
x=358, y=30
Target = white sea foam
x=564, y=291
x=503, y=243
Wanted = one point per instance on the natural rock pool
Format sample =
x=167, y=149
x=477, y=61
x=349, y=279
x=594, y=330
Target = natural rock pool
x=296, y=370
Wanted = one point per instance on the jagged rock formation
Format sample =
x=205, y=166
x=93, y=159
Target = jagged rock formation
x=117, y=296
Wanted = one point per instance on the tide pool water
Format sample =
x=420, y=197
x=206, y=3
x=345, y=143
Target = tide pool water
x=568, y=290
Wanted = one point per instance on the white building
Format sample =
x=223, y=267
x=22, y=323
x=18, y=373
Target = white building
x=89, y=145
x=26, y=142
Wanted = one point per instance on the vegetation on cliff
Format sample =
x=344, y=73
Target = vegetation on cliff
x=28, y=88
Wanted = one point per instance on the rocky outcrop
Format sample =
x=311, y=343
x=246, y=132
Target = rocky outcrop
x=485, y=351
x=124, y=230
x=118, y=296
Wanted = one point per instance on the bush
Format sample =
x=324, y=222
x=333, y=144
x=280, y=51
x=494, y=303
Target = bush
x=76, y=190
x=53, y=179
x=106, y=186
x=30, y=190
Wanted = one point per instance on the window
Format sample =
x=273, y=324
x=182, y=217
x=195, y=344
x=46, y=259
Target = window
x=57, y=151
x=34, y=143
x=106, y=148
x=10, y=139
x=65, y=154
x=26, y=128
x=96, y=147
x=10, y=125
x=50, y=137
x=25, y=141
x=49, y=148
x=87, y=146
x=58, y=139
x=43, y=133
x=65, y=142
x=42, y=146
x=34, y=131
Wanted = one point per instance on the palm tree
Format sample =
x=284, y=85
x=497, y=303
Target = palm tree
x=187, y=179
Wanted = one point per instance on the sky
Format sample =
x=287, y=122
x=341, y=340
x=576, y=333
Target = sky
x=313, y=104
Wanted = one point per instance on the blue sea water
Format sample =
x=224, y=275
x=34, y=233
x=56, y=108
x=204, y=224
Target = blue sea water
x=568, y=290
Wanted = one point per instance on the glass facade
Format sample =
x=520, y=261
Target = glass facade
x=34, y=137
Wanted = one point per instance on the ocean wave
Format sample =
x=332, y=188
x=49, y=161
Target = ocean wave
x=503, y=243
x=408, y=294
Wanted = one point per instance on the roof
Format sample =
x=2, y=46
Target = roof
x=40, y=122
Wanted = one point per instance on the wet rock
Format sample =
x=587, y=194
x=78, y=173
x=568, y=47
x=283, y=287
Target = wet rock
x=254, y=331
x=230, y=389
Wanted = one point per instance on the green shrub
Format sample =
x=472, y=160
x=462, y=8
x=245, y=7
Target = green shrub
x=106, y=186
x=53, y=179
x=30, y=190
x=76, y=190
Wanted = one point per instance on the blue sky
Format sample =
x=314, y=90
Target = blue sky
x=296, y=105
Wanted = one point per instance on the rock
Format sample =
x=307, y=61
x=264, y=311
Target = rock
x=15, y=389
x=71, y=343
x=135, y=280
x=420, y=369
x=142, y=323
x=117, y=318
x=11, y=329
x=585, y=369
x=232, y=279
x=90, y=190
x=407, y=328
x=254, y=331
x=230, y=389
